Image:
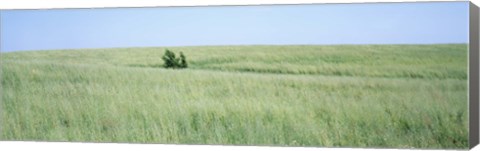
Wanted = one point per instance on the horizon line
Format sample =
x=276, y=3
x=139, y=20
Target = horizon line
x=60, y=49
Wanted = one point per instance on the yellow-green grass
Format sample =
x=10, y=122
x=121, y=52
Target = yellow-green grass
x=329, y=96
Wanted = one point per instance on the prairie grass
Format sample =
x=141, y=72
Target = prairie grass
x=399, y=96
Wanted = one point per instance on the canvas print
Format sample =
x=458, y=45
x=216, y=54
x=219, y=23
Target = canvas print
x=370, y=75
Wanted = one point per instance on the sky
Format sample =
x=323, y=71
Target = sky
x=374, y=23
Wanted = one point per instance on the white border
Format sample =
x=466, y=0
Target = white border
x=53, y=4
x=61, y=146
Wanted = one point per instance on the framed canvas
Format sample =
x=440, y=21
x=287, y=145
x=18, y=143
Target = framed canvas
x=357, y=75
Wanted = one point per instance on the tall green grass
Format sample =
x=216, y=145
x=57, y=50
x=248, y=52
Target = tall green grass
x=346, y=95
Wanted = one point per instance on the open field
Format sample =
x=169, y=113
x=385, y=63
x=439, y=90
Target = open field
x=340, y=95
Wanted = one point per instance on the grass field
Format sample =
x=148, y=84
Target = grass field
x=330, y=96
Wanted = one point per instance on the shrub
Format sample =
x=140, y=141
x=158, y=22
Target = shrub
x=170, y=61
x=183, y=61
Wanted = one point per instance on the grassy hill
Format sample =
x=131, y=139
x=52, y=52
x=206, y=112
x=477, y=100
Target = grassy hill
x=299, y=95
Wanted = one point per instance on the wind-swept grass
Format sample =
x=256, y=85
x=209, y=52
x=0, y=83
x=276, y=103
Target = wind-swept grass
x=353, y=96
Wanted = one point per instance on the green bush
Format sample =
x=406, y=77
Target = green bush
x=170, y=61
x=183, y=61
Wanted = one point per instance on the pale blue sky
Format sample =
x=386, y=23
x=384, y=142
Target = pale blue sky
x=374, y=23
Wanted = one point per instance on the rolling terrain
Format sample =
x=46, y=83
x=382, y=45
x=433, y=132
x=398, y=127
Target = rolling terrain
x=393, y=96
